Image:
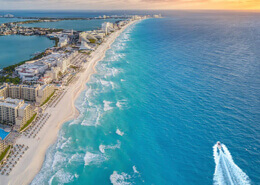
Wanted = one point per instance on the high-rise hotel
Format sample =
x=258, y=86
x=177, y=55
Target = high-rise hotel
x=15, y=112
x=34, y=93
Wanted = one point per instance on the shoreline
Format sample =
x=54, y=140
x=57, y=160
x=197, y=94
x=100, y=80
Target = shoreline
x=31, y=163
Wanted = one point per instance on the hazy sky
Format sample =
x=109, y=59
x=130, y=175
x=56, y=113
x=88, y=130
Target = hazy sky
x=130, y=4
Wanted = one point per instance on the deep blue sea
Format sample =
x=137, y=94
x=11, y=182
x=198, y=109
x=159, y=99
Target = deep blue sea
x=166, y=92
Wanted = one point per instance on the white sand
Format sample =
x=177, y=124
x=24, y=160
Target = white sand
x=31, y=162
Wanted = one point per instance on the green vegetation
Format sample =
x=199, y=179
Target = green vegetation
x=29, y=21
x=3, y=154
x=8, y=79
x=74, y=67
x=48, y=98
x=84, y=51
x=28, y=122
x=92, y=40
x=55, y=30
x=56, y=41
x=59, y=74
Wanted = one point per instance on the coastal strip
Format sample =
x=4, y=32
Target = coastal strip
x=63, y=111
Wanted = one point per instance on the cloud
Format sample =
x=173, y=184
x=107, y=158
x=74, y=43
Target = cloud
x=126, y=4
x=175, y=1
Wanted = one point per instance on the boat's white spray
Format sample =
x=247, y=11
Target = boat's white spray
x=226, y=171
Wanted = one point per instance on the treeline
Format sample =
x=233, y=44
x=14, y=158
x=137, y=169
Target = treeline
x=8, y=79
x=56, y=40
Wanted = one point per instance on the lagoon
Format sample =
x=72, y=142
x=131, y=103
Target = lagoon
x=79, y=25
x=6, y=20
x=17, y=48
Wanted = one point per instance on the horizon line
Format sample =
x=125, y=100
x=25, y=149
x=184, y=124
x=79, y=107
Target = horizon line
x=234, y=10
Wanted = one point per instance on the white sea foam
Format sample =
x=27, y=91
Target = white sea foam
x=117, y=56
x=92, y=117
x=104, y=82
x=115, y=71
x=107, y=83
x=66, y=143
x=107, y=106
x=119, y=179
x=112, y=72
x=112, y=85
x=63, y=177
x=75, y=158
x=88, y=92
x=122, y=80
x=91, y=158
x=102, y=148
x=75, y=121
x=58, y=159
x=119, y=132
x=121, y=103
x=51, y=179
x=135, y=170
x=226, y=171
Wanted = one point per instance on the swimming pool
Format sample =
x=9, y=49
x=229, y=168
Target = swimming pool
x=3, y=134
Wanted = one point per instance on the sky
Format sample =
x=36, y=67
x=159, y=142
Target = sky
x=129, y=4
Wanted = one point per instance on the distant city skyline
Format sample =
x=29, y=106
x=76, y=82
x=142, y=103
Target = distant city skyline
x=129, y=4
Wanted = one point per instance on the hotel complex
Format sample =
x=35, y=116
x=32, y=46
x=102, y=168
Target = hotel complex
x=45, y=69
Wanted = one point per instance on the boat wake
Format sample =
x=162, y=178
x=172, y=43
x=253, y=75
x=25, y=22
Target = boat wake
x=226, y=171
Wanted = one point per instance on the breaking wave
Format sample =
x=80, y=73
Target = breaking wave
x=226, y=171
x=121, y=104
x=120, y=179
x=91, y=158
x=120, y=133
x=102, y=148
x=62, y=177
x=107, y=106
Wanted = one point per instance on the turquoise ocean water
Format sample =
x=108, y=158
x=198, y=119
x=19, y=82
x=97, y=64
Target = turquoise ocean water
x=166, y=92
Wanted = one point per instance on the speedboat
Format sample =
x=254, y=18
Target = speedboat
x=219, y=145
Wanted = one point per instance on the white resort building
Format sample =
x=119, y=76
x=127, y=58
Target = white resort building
x=39, y=70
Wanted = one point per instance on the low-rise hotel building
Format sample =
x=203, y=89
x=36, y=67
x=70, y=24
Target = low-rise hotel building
x=33, y=71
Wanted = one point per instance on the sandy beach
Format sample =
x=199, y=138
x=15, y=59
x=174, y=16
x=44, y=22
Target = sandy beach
x=30, y=164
